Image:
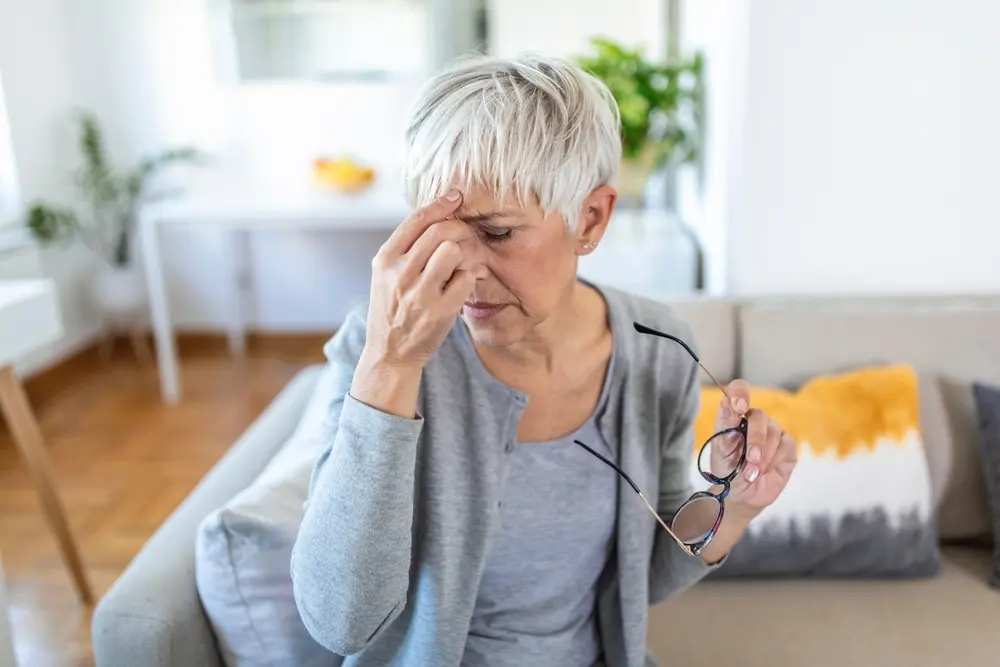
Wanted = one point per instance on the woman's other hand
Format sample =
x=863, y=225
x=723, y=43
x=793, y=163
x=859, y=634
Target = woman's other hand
x=771, y=454
x=417, y=292
x=771, y=458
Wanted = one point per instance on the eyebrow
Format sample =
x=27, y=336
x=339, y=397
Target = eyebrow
x=483, y=217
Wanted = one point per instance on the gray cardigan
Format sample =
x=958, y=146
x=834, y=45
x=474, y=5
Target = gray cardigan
x=401, y=511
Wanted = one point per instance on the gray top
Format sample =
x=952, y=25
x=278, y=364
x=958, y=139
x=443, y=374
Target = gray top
x=402, y=512
x=537, y=595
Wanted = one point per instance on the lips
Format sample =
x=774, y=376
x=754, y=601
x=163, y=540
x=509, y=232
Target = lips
x=482, y=309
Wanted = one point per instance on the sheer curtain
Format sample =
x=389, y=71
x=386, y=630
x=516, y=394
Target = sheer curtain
x=9, y=198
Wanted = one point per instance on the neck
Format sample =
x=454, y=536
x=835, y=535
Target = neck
x=559, y=336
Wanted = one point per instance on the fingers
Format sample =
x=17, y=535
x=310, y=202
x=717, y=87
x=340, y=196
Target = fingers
x=734, y=404
x=786, y=457
x=739, y=394
x=442, y=264
x=437, y=234
x=407, y=233
x=764, y=437
x=757, y=434
x=458, y=289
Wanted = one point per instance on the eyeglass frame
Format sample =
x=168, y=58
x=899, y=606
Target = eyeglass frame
x=726, y=482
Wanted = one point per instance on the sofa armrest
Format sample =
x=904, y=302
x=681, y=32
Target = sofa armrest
x=152, y=615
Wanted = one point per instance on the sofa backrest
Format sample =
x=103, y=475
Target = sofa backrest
x=951, y=341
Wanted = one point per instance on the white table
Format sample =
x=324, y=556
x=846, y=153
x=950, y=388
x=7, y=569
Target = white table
x=29, y=321
x=240, y=210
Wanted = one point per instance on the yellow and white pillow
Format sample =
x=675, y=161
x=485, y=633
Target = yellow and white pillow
x=859, y=503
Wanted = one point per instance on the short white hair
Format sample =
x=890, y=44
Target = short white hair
x=531, y=126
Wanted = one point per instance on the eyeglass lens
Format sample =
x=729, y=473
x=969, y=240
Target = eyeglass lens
x=717, y=461
x=695, y=519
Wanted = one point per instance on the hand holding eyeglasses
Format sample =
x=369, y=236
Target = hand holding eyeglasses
x=771, y=453
x=748, y=462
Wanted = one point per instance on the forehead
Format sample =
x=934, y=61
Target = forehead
x=477, y=199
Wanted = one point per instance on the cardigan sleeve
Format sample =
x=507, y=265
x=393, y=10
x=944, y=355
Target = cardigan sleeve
x=351, y=559
x=672, y=570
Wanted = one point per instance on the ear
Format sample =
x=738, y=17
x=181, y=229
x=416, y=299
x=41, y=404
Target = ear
x=595, y=214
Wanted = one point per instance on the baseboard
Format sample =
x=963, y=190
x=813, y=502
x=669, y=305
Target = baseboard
x=58, y=353
x=52, y=371
x=197, y=343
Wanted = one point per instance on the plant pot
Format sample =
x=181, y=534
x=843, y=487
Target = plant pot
x=633, y=177
x=648, y=253
x=119, y=292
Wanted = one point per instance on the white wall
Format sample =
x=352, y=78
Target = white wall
x=153, y=94
x=870, y=148
x=40, y=87
x=718, y=29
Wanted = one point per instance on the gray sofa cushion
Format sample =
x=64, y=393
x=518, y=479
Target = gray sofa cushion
x=988, y=409
x=948, y=620
x=713, y=324
x=243, y=555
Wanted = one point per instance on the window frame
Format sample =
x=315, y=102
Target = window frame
x=13, y=234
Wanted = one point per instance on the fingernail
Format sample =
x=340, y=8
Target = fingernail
x=753, y=455
x=752, y=473
x=740, y=405
x=452, y=195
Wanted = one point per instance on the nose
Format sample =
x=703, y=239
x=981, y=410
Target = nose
x=474, y=258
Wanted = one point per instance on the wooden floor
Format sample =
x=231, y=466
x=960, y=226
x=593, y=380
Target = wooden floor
x=123, y=461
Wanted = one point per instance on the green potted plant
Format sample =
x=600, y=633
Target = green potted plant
x=108, y=224
x=660, y=107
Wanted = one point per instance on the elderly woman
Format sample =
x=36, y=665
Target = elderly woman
x=467, y=510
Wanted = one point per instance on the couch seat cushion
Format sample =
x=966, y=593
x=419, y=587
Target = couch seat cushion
x=950, y=619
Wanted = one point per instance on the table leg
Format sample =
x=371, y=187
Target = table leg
x=28, y=439
x=156, y=285
x=7, y=657
x=240, y=271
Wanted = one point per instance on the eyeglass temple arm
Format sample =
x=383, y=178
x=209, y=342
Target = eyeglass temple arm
x=634, y=488
x=642, y=328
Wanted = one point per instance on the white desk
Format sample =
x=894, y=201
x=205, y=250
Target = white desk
x=238, y=211
x=30, y=320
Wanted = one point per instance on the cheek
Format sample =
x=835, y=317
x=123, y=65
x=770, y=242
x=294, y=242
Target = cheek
x=533, y=269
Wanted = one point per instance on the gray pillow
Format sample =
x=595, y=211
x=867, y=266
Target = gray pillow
x=243, y=556
x=988, y=410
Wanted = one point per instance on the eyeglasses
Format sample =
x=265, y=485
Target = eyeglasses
x=720, y=460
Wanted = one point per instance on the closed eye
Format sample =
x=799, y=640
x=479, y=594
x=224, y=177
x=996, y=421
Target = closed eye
x=493, y=235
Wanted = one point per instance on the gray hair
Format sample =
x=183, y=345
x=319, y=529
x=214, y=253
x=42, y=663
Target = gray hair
x=531, y=126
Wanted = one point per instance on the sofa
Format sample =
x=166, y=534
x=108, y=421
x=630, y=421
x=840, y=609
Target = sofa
x=152, y=615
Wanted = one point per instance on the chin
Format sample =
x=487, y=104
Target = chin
x=495, y=331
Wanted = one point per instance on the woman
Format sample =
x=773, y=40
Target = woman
x=455, y=519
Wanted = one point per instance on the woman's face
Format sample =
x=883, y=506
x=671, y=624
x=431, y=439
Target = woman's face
x=524, y=261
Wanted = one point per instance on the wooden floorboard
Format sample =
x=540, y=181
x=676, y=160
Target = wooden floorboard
x=123, y=461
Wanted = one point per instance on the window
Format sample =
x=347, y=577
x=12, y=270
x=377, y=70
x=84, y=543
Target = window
x=329, y=40
x=9, y=197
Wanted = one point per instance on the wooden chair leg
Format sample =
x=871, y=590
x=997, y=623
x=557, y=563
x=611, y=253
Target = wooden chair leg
x=107, y=344
x=140, y=346
x=28, y=439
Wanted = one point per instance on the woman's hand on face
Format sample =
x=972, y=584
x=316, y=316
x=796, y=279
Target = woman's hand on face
x=417, y=288
x=771, y=454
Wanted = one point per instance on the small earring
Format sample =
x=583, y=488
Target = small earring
x=590, y=246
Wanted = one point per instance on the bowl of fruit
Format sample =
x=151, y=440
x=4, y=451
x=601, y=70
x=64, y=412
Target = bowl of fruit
x=342, y=174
